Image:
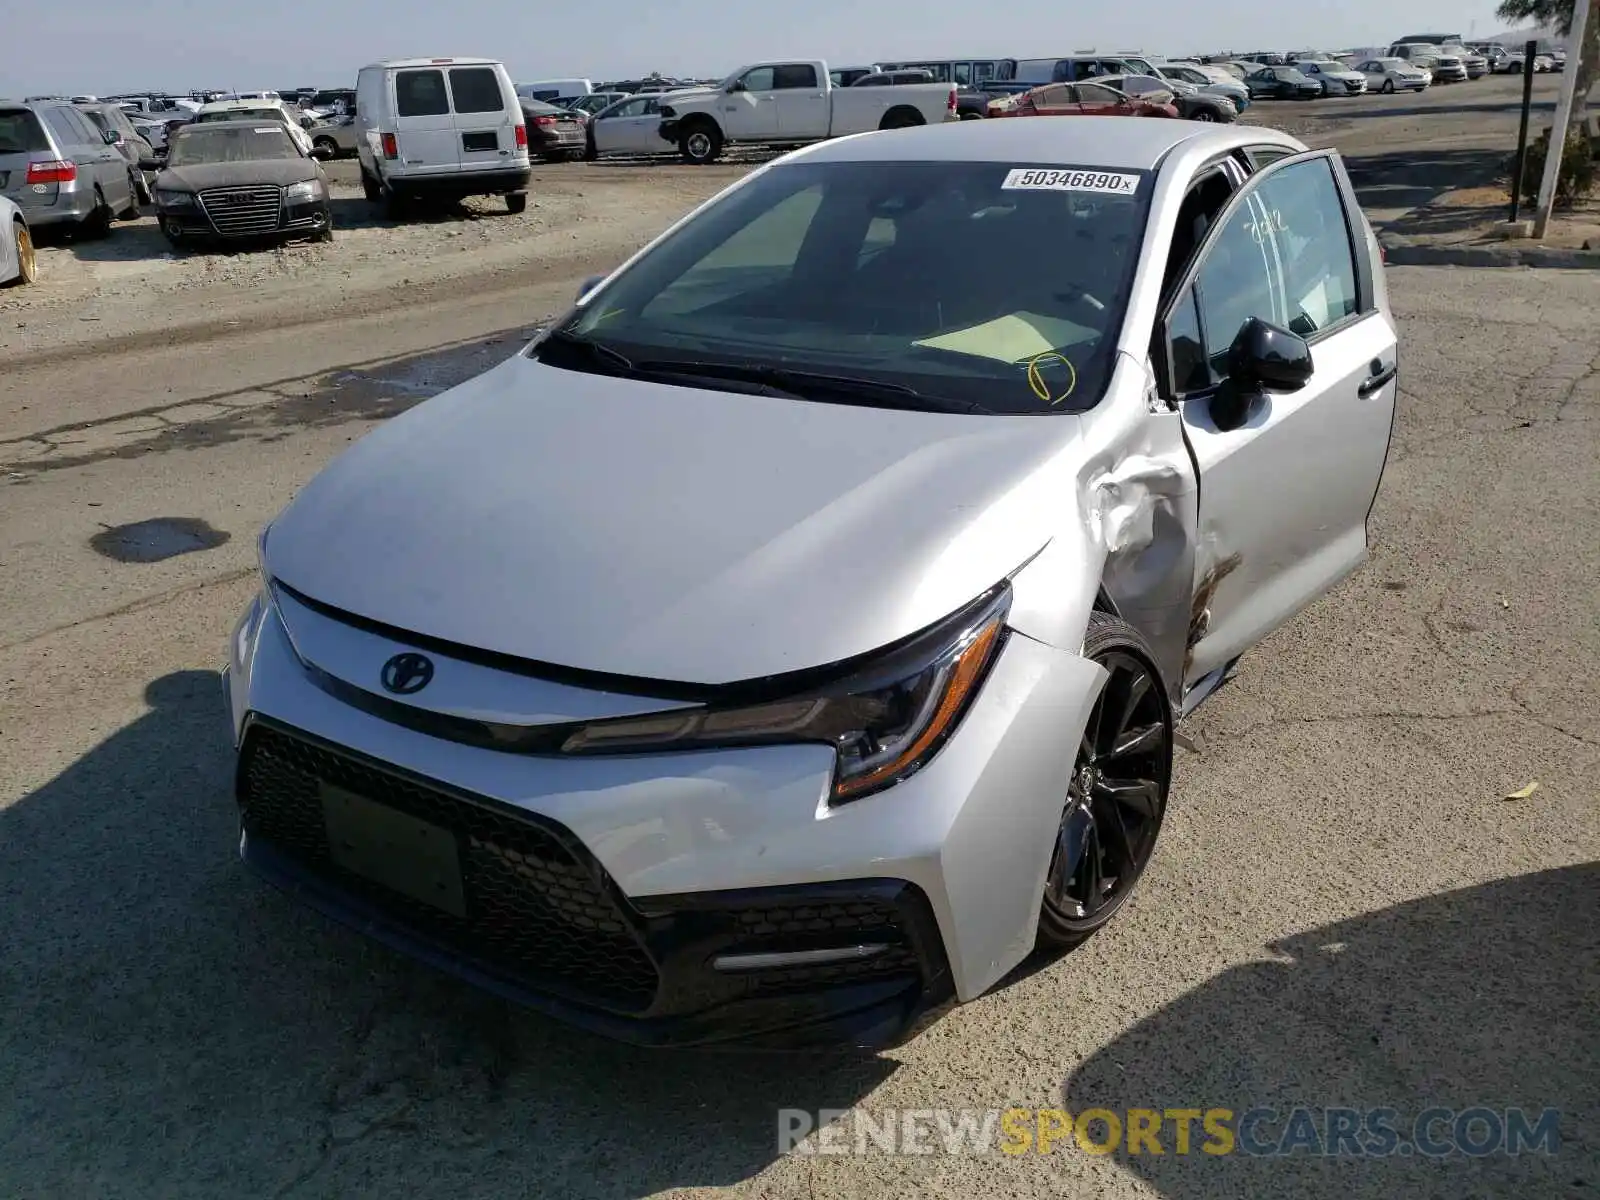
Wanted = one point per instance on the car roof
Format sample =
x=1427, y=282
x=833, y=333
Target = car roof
x=1122, y=144
x=391, y=64
x=243, y=123
x=228, y=105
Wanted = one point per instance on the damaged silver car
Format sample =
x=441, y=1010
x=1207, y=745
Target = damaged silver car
x=795, y=634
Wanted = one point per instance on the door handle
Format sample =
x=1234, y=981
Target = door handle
x=1379, y=379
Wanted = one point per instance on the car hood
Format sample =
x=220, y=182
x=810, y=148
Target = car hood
x=280, y=171
x=689, y=94
x=669, y=533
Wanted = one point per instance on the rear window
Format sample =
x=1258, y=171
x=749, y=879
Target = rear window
x=476, y=90
x=20, y=132
x=420, y=94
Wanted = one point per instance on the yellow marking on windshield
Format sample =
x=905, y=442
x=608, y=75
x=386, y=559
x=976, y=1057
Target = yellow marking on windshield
x=1040, y=386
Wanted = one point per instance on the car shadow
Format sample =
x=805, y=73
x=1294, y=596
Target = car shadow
x=1388, y=111
x=1482, y=997
x=177, y=1026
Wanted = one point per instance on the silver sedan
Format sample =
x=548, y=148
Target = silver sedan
x=796, y=633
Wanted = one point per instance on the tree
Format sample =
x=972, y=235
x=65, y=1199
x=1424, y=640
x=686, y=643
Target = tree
x=1557, y=15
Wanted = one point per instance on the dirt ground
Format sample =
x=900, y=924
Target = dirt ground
x=1345, y=909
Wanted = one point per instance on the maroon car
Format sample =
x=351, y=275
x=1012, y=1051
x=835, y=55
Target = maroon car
x=1078, y=100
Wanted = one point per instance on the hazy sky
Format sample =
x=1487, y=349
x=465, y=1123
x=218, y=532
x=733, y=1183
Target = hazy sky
x=109, y=46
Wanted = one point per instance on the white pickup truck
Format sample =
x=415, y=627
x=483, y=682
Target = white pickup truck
x=788, y=103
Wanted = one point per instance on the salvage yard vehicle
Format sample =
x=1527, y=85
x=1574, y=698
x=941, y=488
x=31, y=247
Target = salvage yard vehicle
x=259, y=110
x=135, y=149
x=1024, y=432
x=1281, y=83
x=785, y=103
x=1390, y=75
x=18, y=262
x=446, y=128
x=1191, y=103
x=62, y=170
x=1081, y=100
x=1336, y=78
x=241, y=180
x=628, y=126
x=554, y=133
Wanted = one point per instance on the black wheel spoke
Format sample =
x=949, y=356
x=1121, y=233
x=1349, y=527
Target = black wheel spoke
x=1119, y=846
x=1143, y=796
x=1138, y=687
x=1139, y=739
x=1093, y=879
x=1112, y=700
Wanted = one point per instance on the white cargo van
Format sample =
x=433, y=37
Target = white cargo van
x=555, y=91
x=441, y=127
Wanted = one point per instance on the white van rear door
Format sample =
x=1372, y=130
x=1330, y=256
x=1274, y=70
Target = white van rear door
x=485, y=122
x=425, y=130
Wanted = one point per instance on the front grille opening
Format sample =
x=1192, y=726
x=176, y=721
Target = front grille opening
x=243, y=211
x=805, y=925
x=535, y=913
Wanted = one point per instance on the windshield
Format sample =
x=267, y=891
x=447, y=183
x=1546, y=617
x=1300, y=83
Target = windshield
x=998, y=286
x=244, y=143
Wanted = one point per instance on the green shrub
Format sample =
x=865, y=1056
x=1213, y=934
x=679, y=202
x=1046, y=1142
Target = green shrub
x=1576, y=177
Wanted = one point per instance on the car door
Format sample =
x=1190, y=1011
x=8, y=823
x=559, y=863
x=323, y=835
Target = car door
x=1097, y=100
x=424, y=127
x=1286, y=483
x=85, y=144
x=750, y=110
x=624, y=129
x=485, y=128
x=803, y=108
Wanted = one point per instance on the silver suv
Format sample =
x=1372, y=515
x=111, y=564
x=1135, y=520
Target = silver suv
x=61, y=169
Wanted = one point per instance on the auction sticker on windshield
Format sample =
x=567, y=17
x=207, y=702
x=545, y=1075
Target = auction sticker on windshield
x=1039, y=179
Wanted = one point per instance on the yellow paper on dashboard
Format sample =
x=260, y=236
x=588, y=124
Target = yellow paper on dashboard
x=1013, y=338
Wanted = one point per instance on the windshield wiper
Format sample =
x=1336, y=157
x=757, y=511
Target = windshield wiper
x=812, y=385
x=597, y=353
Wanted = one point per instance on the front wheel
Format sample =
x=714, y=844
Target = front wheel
x=700, y=144
x=98, y=223
x=327, y=145
x=27, y=257
x=516, y=202
x=1117, y=797
x=1204, y=114
x=1388, y=87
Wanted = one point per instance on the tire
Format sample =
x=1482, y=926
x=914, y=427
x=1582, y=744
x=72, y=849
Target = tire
x=396, y=206
x=971, y=116
x=517, y=202
x=370, y=188
x=1130, y=730
x=591, y=152
x=1204, y=114
x=326, y=143
x=98, y=223
x=700, y=144
x=142, y=188
x=131, y=213
x=901, y=118
x=1388, y=87
x=173, y=239
x=324, y=236
x=27, y=258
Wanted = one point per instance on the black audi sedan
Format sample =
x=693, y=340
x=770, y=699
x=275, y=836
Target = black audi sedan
x=241, y=181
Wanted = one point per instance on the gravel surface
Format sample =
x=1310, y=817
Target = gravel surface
x=1344, y=908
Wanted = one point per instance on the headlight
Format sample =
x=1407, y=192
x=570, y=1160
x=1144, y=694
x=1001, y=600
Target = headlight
x=885, y=718
x=174, y=199
x=296, y=193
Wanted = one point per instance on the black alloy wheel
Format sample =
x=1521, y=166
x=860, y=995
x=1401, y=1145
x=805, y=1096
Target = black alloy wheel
x=1117, y=797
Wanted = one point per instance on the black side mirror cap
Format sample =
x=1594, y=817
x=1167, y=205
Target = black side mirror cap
x=1264, y=357
x=589, y=285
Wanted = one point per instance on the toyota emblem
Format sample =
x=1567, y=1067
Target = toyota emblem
x=407, y=673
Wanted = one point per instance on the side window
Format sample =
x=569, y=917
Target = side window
x=1190, y=370
x=1055, y=97
x=476, y=90
x=963, y=73
x=420, y=94
x=633, y=108
x=758, y=80
x=795, y=75
x=1095, y=93
x=65, y=132
x=1207, y=196
x=1237, y=280
x=982, y=71
x=651, y=106
x=1307, y=220
x=1260, y=156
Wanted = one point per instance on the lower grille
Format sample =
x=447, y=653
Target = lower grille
x=243, y=211
x=535, y=912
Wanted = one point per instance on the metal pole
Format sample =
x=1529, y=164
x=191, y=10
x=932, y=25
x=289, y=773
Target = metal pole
x=1522, y=132
x=1558, y=132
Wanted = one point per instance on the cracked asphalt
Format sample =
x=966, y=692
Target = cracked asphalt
x=1344, y=909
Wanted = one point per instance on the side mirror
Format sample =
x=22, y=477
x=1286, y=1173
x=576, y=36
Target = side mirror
x=589, y=285
x=1264, y=357
x=738, y=85
x=112, y=137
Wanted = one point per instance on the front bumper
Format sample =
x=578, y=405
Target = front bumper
x=602, y=890
x=294, y=220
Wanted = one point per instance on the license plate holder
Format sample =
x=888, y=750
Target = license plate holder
x=475, y=143
x=392, y=848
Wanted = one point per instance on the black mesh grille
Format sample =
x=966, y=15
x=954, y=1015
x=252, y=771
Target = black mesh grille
x=825, y=924
x=534, y=911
